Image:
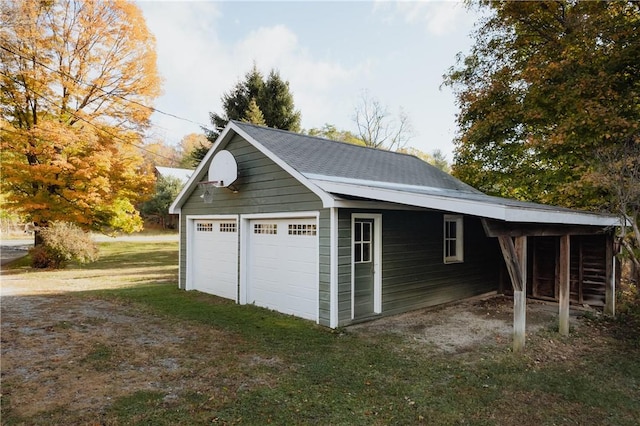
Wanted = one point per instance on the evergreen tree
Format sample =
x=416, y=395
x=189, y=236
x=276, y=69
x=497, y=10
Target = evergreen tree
x=167, y=189
x=272, y=98
x=277, y=105
x=254, y=114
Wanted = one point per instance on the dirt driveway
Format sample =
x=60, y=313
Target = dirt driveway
x=77, y=354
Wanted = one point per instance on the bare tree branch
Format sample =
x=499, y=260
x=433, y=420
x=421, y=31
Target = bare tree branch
x=378, y=128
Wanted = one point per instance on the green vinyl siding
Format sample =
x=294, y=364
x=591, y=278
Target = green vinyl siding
x=263, y=187
x=414, y=274
x=344, y=266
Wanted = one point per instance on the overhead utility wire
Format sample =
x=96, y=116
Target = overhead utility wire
x=80, y=118
x=93, y=86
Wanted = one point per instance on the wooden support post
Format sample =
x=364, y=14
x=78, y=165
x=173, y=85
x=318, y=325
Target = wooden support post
x=515, y=256
x=511, y=259
x=610, y=285
x=564, y=283
x=520, y=297
x=519, y=319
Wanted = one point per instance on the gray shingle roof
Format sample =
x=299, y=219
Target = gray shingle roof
x=337, y=168
x=319, y=156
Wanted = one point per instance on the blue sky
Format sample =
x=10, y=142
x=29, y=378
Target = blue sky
x=330, y=52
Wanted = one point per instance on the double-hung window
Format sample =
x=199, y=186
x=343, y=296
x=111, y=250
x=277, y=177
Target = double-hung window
x=453, y=239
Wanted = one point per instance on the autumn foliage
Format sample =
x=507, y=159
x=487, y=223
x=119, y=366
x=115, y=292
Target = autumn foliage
x=546, y=86
x=549, y=102
x=77, y=78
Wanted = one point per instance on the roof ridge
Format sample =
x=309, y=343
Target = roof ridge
x=243, y=123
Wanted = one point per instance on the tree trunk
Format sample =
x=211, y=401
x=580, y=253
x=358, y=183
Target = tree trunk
x=635, y=262
x=37, y=238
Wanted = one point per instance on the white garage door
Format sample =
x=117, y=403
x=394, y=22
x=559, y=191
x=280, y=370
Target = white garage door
x=214, y=257
x=283, y=266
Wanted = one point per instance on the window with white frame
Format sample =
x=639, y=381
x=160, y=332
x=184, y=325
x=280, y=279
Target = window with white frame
x=453, y=239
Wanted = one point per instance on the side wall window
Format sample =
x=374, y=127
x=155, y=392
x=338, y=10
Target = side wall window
x=453, y=239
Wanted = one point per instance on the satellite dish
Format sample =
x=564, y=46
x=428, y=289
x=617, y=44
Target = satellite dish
x=223, y=169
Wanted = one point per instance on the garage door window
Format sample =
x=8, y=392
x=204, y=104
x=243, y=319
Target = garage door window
x=204, y=227
x=228, y=227
x=265, y=228
x=302, y=229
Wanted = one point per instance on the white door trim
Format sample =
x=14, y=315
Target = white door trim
x=377, y=261
x=191, y=220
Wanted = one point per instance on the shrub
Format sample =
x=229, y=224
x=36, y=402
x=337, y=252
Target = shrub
x=63, y=242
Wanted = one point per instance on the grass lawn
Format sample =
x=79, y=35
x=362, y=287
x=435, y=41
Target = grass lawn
x=181, y=357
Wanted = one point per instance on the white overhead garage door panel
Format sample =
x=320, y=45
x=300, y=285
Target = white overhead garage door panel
x=214, y=254
x=283, y=266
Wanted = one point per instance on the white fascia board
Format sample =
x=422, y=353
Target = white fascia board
x=196, y=175
x=372, y=183
x=461, y=205
x=525, y=214
x=327, y=199
x=413, y=199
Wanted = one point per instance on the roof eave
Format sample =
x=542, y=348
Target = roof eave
x=490, y=210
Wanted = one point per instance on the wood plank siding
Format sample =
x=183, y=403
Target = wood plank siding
x=263, y=187
x=588, y=268
x=414, y=274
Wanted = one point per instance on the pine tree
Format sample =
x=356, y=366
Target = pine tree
x=272, y=98
x=254, y=114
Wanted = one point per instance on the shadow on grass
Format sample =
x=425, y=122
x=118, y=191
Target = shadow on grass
x=114, y=256
x=134, y=255
x=253, y=323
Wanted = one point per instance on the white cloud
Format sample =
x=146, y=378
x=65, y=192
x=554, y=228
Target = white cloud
x=397, y=53
x=198, y=67
x=440, y=17
x=317, y=85
x=186, y=43
x=268, y=46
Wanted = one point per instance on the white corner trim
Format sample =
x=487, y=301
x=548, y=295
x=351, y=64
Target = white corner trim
x=243, y=239
x=333, y=271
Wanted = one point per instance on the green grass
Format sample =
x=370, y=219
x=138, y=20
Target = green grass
x=337, y=377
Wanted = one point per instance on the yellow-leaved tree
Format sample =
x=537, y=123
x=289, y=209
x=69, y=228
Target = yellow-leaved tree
x=77, y=78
